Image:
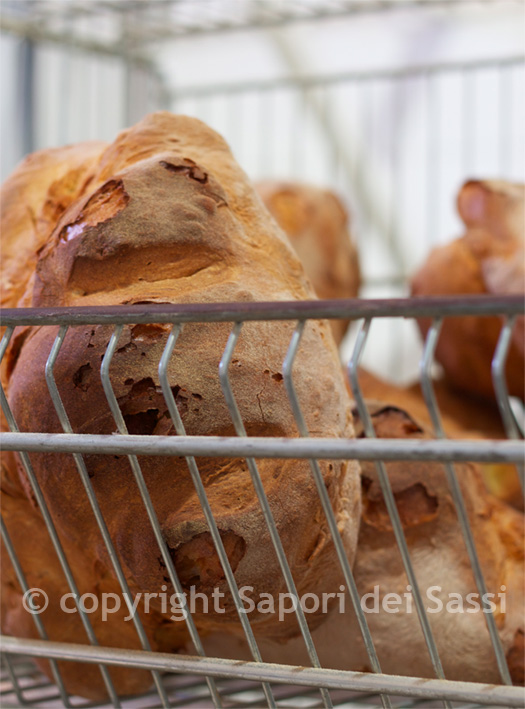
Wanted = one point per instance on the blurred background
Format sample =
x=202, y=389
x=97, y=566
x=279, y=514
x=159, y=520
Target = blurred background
x=393, y=104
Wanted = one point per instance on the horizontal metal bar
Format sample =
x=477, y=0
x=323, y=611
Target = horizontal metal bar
x=349, y=76
x=276, y=17
x=73, y=41
x=261, y=447
x=265, y=672
x=252, y=20
x=275, y=310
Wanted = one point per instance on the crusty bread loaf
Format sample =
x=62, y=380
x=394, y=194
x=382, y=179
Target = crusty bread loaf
x=462, y=416
x=43, y=571
x=489, y=258
x=439, y=558
x=316, y=223
x=33, y=198
x=170, y=217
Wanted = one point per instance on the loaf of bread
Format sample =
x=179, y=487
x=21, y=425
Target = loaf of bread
x=167, y=216
x=488, y=259
x=442, y=568
x=316, y=223
x=33, y=198
x=462, y=416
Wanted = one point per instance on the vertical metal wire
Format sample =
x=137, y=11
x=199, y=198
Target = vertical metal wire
x=14, y=680
x=457, y=496
x=134, y=463
x=240, y=430
x=84, y=475
x=467, y=123
x=336, y=174
x=203, y=499
x=36, y=618
x=235, y=122
x=400, y=274
x=504, y=120
x=352, y=176
x=27, y=56
x=118, y=569
x=368, y=138
x=266, y=130
x=395, y=185
x=51, y=528
x=432, y=160
x=64, y=83
x=391, y=503
x=327, y=506
x=297, y=128
x=500, y=387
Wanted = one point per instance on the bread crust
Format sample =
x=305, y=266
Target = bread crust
x=169, y=217
x=488, y=259
x=462, y=416
x=317, y=224
x=441, y=566
x=32, y=199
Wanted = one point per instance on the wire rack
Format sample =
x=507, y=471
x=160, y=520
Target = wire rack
x=105, y=45
x=253, y=683
x=171, y=19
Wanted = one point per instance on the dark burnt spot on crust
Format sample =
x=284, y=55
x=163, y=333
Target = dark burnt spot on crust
x=414, y=504
x=405, y=423
x=187, y=167
x=198, y=564
x=142, y=386
x=81, y=378
x=142, y=423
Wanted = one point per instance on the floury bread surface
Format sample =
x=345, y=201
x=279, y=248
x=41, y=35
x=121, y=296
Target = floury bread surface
x=167, y=216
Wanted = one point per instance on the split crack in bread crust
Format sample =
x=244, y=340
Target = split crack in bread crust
x=439, y=558
x=488, y=258
x=167, y=216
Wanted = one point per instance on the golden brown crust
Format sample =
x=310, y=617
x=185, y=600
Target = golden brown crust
x=316, y=223
x=489, y=258
x=170, y=217
x=31, y=200
x=462, y=416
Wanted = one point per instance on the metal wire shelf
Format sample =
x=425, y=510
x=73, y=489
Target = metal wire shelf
x=172, y=19
x=351, y=688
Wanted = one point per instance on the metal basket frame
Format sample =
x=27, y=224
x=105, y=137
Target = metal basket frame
x=252, y=448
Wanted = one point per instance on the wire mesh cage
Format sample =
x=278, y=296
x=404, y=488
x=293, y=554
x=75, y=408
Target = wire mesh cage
x=252, y=450
x=395, y=142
